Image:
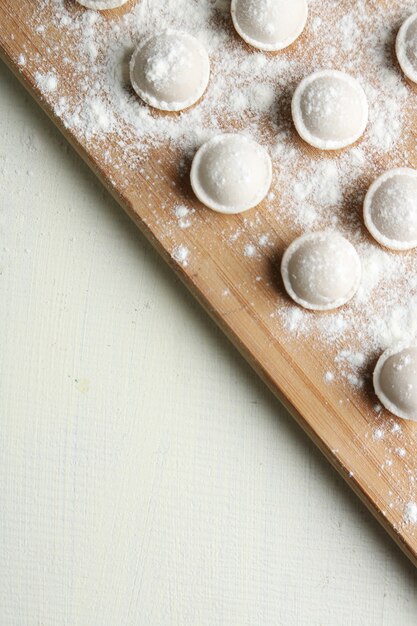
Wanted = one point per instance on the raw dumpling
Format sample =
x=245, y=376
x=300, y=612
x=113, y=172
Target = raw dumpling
x=395, y=380
x=231, y=173
x=406, y=47
x=170, y=71
x=390, y=209
x=330, y=110
x=269, y=24
x=101, y=4
x=321, y=271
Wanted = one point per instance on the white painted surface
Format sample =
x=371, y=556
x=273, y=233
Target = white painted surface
x=146, y=476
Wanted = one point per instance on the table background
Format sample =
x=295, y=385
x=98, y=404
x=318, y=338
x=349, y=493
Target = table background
x=146, y=475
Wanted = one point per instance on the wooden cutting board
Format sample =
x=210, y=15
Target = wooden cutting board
x=239, y=292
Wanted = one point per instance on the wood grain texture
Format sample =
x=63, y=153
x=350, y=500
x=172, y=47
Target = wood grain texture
x=291, y=369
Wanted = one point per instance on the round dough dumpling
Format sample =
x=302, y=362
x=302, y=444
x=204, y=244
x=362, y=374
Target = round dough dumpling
x=390, y=209
x=170, y=71
x=321, y=271
x=231, y=173
x=406, y=47
x=269, y=24
x=395, y=380
x=101, y=5
x=330, y=110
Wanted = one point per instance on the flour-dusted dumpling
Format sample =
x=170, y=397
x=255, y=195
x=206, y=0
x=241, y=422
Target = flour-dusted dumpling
x=330, y=110
x=170, y=71
x=269, y=24
x=406, y=47
x=390, y=209
x=101, y=5
x=231, y=173
x=321, y=271
x=395, y=380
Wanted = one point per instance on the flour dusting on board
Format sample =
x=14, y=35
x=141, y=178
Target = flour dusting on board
x=46, y=82
x=252, y=91
x=180, y=254
x=410, y=513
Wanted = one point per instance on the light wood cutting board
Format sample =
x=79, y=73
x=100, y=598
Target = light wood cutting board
x=226, y=282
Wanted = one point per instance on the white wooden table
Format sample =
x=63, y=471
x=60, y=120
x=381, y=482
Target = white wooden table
x=146, y=476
